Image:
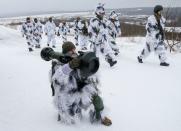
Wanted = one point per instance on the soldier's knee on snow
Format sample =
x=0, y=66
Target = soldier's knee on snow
x=98, y=103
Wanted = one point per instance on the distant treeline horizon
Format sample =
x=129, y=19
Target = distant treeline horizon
x=122, y=11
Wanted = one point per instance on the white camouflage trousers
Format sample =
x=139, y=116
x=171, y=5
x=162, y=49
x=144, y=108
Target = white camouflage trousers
x=51, y=38
x=158, y=48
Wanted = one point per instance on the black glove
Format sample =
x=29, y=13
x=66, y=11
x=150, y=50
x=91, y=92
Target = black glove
x=155, y=27
x=102, y=50
x=157, y=35
x=74, y=63
x=148, y=29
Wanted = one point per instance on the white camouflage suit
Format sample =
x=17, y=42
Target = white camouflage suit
x=114, y=30
x=27, y=31
x=50, y=31
x=63, y=31
x=99, y=38
x=83, y=38
x=154, y=39
x=37, y=33
x=76, y=31
x=68, y=100
x=98, y=33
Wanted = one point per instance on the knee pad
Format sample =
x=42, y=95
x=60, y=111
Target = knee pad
x=98, y=103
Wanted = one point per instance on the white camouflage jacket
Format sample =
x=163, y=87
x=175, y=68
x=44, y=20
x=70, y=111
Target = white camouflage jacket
x=98, y=30
x=50, y=28
x=67, y=94
x=154, y=34
x=27, y=29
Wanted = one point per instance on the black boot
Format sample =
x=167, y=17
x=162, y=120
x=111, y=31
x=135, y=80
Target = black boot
x=139, y=60
x=30, y=49
x=111, y=62
x=37, y=46
x=116, y=53
x=59, y=118
x=164, y=64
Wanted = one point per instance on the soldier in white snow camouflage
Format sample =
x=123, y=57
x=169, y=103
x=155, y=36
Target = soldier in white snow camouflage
x=83, y=38
x=114, y=30
x=27, y=31
x=50, y=31
x=37, y=33
x=99, y=35
x=155, y=37
x=73, y=92
x=63, y=31
x=76, y=30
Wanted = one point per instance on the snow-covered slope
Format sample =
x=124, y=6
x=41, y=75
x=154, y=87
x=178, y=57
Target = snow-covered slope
x=7, y=33
x=139, y=97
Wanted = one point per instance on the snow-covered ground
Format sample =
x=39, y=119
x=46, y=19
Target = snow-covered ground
x=139, y=97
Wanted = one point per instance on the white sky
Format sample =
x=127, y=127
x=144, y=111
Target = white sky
x=23, y=6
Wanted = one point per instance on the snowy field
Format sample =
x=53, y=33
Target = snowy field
x=139, y=97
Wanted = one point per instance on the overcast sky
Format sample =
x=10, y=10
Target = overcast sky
x=8, y=7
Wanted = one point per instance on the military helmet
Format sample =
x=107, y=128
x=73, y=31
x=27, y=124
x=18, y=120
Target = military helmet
x=158, y=8
x=100, y=9
x=35, y=20
x=28, y=19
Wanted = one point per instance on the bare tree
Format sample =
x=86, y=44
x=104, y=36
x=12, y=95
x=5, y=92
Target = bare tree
x=173, y=37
